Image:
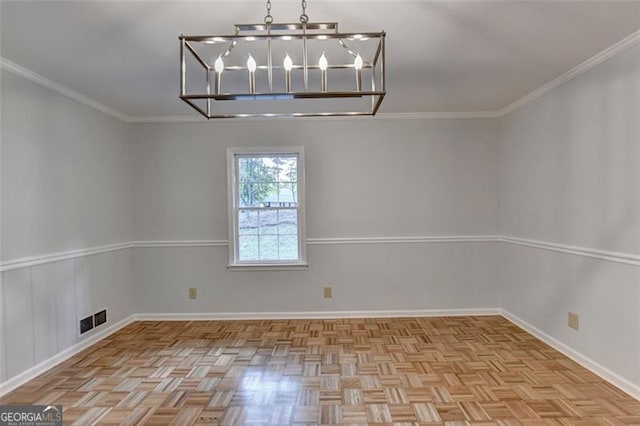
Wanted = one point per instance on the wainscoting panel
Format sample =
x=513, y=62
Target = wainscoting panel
x=66, y=320
x=45, y=320
x=19, y=319
x=43, y=304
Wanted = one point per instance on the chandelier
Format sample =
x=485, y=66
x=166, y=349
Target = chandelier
x=272, y=69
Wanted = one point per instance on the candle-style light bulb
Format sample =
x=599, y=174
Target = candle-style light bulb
x=358, y=63
x=251, y=64
x=288, y=63
x=218, y=65
x=288, y=66
x=322, y=63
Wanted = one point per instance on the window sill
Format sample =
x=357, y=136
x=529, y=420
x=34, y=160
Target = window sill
x=268, y=267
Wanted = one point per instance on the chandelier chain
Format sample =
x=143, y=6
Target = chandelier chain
x=268, y=19
x=304, y=18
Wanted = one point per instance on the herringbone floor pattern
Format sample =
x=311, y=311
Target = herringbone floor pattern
x=453, y=370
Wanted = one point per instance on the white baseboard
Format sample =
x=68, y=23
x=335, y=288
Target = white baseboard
x=37, y=370
x=317, y=315
x=606, y=374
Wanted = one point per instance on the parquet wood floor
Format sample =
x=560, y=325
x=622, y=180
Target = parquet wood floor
x=447, y=370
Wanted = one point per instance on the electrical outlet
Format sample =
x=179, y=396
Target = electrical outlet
x=193, y=293
x=574, y=320
x=328, y=292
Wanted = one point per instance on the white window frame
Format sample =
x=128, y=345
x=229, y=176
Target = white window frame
x=233, y=153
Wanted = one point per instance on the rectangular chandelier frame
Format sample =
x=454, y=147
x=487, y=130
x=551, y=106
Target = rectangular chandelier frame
x=206, y=85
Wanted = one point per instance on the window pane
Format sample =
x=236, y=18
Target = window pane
x=268, y=222
x=288, y=222
x=268, y=247
x=268, y=169
x=287, y=195
x=254, y=194
x=268, y=195
x=258, y=169
x=288, y=247
x=248, y=247
x=248, y=222
x=288, y=169
x=247, y=169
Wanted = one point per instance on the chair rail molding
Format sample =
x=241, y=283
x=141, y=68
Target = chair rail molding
x=610, y=256
x=25, y=262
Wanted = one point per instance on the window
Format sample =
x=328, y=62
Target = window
x=266, y=207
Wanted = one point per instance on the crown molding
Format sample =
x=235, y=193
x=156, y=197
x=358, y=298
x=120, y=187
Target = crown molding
x=585, y=66
x=14, y=68
x=590, y=63
x=437, y=115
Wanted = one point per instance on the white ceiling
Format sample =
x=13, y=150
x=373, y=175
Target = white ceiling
x=443, y=56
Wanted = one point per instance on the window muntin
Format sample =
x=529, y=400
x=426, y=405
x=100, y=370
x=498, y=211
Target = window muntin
x=267, y=199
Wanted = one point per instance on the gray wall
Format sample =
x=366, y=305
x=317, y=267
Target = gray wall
x=365, y=178
x=570, y=174
x=66, y=177
x=67, y=173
